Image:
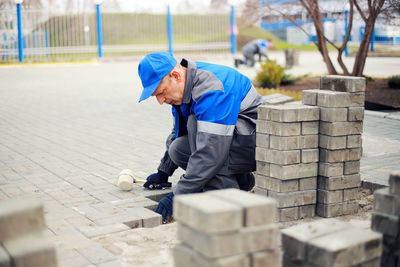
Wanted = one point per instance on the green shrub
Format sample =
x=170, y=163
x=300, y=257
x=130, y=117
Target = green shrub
x=270, y=74
x=291, y=79
x=394, y=81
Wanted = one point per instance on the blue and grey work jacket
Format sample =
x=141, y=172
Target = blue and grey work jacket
x=255, y=47
x=224, y=103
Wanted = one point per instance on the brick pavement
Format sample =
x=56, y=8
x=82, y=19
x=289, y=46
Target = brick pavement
x=65, y=135
x=381, y=148
x=67, y=130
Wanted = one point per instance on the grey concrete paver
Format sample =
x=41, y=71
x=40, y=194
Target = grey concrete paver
x=381, y=149
x=64, y=140
x=67, y=130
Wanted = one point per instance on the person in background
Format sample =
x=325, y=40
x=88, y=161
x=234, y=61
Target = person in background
x=256, y=47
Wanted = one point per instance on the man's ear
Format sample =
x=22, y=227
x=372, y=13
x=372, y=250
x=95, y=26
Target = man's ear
x=176, y=75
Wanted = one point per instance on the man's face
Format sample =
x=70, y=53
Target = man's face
x=170, y=90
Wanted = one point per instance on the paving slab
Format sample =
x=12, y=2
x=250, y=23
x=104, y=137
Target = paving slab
x=381, y=149
x=66, y=135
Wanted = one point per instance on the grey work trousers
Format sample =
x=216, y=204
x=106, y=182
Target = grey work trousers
x=249, y=60
x=181, y=148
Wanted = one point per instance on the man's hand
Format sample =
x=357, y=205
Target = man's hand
x=157, y=181
x=165, y=207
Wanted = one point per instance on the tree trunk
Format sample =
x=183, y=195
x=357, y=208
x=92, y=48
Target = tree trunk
x=313, y=9
x=374, y=8
x=346, y=40
x=362, y=52
x=325, y=54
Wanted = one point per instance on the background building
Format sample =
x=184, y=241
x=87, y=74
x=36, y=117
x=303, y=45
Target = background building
x=387, y=28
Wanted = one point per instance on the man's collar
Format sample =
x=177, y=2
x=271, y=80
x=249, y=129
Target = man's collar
x=190, y=74
x=184, y=63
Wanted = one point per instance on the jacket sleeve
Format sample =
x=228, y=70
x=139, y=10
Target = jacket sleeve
x=167, y=165
x=216, y=115
x=261, y=50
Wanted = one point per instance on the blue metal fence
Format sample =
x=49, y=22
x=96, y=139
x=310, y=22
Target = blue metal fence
x=381, y=39
x=169, y=30
x=39, y=35
x=19, y=22
x=99, y=31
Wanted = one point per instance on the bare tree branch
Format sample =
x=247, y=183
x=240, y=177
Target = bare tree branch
x=346, y=39
x=362, y=52
x=320, y=35
x=360, y=11
x=318, y=26
x=293, y=21
x=297, y=25
x=378, y=10
x=374, y=4
x=368, y=15
x=349, y=26
x=305, y=5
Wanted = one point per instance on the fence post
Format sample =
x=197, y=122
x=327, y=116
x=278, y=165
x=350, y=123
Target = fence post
x=233, y=36
x=169, y=29
x=19, y=21
x=47, y=42
x=373, y=39
x=99, y=28
x=34, y=38
x=346, y=15
x=5, y=44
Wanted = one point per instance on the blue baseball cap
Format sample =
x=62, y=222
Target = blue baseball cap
x=152, y=69
x=264, y=43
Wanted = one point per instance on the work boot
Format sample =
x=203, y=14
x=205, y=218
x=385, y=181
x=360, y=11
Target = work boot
x=237, y=63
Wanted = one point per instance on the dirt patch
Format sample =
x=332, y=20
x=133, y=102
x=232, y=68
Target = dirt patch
x=377, y=91
x=306, y=83
x=144, y=247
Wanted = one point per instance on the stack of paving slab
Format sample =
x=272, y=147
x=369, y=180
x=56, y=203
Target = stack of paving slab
x=341, y=103
x=330, y=242
x=22, y=239
x=386, y=220
x=226, y=228
x=287, y=158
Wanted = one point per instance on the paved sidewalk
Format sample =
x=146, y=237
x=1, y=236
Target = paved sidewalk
x=381, y=147
x=67, y=130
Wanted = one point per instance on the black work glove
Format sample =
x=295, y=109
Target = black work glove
x=246, y=181
x=157, y=180
x=165, y=207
